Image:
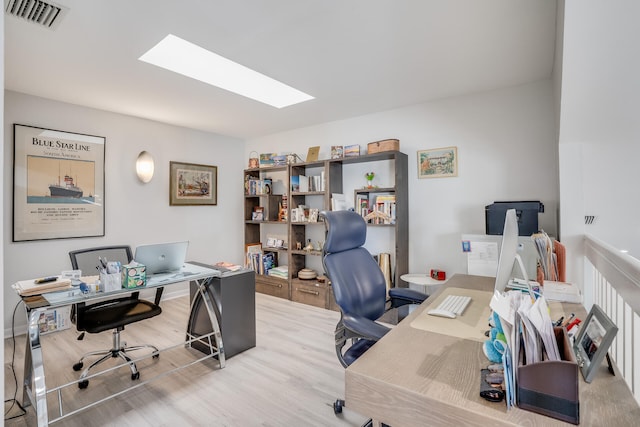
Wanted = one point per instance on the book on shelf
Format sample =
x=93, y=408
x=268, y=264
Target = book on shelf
x=295, y=183
x=316, y=183
x=251, y=250
x=338, y=202
x=362, y=204
x=281, y=271
x=269, y=261
x=385, y=205
x=303, y=182
x=262, y=262
x=256, y=186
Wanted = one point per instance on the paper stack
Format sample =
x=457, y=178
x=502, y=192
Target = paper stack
x=561, y=291
x=29, y=287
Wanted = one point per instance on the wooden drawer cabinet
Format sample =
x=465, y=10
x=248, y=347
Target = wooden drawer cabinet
x=311, y=292
x=332, y=301
x=272, y=286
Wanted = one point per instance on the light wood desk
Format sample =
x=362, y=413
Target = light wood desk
x=414, y=377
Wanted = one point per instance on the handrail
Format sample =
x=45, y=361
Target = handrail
x=622, y=271
x=614, y=285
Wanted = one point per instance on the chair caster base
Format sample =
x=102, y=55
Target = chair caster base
x=337, y=406
x=83, y=384
x=135, y=376
x=78, y=366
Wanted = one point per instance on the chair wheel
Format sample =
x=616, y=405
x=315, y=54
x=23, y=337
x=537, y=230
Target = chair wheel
x=156, y=356
x=135, y=376
x=83, y=384
x=77, y=366
x=337, y=406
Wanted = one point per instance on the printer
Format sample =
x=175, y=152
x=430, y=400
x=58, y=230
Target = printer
x=527, y=213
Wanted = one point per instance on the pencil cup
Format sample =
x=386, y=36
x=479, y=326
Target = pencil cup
x=110, y=282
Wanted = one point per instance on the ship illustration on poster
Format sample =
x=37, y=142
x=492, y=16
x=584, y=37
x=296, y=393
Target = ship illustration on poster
x=60, y=181
x=69, y=189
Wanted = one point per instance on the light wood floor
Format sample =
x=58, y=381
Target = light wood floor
x=291, y=377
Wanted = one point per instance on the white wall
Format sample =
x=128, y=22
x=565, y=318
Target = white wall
x=599, y=128
x=507, y=148
x=135, y=213
x=2, y=142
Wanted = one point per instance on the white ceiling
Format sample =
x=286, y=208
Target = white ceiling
x=354, y=56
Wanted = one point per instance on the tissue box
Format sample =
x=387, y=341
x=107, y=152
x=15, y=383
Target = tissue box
x=134, y=275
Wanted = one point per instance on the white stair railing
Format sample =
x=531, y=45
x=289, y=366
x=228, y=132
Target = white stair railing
x=612, y=280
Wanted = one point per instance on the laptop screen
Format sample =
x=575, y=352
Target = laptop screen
x=162, y=257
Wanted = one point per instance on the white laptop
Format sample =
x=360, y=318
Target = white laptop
x=162, y=257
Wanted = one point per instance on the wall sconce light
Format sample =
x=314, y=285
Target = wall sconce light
x=144, y=167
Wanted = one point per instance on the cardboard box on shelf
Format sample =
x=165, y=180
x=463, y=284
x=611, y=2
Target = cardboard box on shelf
x=384, y=145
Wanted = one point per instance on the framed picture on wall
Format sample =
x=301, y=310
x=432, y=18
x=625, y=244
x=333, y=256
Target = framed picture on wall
x=192, y=184
x=58, y=184
x=438, y=163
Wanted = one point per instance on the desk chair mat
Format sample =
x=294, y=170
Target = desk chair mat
x=471, y=325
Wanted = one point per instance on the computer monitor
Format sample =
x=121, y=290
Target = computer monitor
x=509, y=254
x=162, y=257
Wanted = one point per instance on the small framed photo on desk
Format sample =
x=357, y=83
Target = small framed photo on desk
x=593, y=341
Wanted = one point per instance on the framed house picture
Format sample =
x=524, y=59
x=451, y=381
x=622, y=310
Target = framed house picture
x=58, y=184
x=438, y=163
x=192, y=184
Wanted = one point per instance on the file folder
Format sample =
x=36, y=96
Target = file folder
x=551, y=387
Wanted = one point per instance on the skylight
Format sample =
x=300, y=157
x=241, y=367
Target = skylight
x=188, y=59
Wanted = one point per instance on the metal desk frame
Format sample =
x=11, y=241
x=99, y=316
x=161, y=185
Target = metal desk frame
x=34, y=386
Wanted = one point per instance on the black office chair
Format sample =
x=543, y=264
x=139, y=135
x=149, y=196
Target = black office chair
x=110, y=314
x=358, y=286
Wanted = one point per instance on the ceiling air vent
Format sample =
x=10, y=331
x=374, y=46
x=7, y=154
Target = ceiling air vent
x=36, y=11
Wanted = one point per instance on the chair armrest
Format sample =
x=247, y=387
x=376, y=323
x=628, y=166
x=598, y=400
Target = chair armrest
x=403, y=296
x=364, y=327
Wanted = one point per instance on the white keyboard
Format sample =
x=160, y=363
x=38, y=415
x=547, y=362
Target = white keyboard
x=451, y=306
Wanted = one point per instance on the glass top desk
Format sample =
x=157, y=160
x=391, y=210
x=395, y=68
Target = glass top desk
x=34, y=386
x=414, y=377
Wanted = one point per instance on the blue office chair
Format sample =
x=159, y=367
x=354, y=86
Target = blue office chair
x=358, y=286
x=110, y=314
